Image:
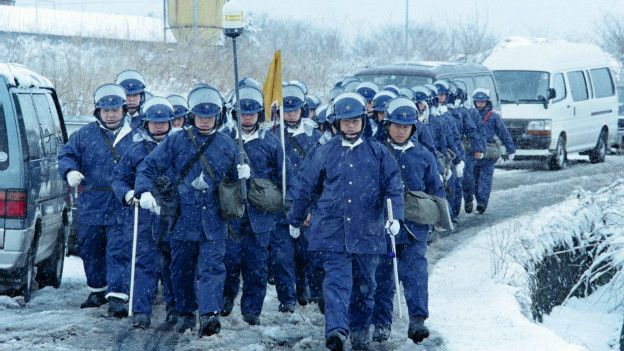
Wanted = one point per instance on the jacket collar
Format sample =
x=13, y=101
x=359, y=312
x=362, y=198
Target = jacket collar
x=351, y=146
x=296, y=131
x=406, y=146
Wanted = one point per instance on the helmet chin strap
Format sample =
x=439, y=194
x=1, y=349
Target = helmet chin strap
x=293, y=125
x=250, y=129
x=357, y=135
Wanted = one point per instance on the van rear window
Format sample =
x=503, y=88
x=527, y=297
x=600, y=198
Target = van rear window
x=4, y=142
x=603, y=83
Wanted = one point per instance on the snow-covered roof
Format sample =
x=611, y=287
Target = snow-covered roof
x=84, y=24
x=539, y=54
x=19, y=75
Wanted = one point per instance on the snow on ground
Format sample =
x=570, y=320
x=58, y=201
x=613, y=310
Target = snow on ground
x=470, y=310
x=593, y=322
x=479, y=294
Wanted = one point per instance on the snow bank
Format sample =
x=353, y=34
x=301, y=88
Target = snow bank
x=480, y=294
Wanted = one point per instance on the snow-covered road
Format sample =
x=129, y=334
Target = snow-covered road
x=54, y=321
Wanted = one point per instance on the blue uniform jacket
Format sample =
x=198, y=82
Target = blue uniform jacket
x=438, y=133
x=87, y=152
x=200, y=216
x=453, y=138
x=419, y=173
x=123, y=181
x=467, y=121
x=295, y=157
x=495, y=126
x=265, y=159
x=351, y=186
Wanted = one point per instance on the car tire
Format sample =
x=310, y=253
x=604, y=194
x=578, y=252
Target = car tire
x=50, y=271
x=27, y=275
x=599, y=154
x=558, y=160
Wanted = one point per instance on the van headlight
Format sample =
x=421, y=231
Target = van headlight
x=540, y=127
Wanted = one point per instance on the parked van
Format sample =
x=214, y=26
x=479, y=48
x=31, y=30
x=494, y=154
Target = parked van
x=556, y=97
x=620, y=134
x=34, y=212
x=411, y=74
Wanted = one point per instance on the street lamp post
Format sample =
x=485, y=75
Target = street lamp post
x=233, y=25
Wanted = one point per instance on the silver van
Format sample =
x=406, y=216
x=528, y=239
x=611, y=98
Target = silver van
x=35, y=215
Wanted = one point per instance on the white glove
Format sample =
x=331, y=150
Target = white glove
x=149, y=203
x=441, y=178
x=448, y=175
x=460, y=169
x=244, y=172
x=129, y=196
x=74, y=178
x=442, y=109
x=393, y=227
x=511, y=157
x=294, y=232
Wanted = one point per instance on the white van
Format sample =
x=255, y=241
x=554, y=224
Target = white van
x=556, y=97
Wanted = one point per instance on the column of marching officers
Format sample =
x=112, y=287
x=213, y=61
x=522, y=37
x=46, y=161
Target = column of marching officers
x=328, y=245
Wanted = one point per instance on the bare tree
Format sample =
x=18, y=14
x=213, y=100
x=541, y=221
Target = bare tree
x=611, y=36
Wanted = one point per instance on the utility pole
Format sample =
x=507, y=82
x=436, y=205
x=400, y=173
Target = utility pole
x=164, y=21
x=406, y=26
x=195, y=19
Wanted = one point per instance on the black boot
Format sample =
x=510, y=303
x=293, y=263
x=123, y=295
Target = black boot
x=359, y=340
x=417, y=330
x=251, y=319
x=171, y=315
x=335, y=341
x=209, y=324
x=480, y=208
x=141, y=321
x=468, y=206
x=302, y=295
x=321, y=305
x=95, y=299
x=117, y=307
x=185, y=321
x=286, y=308
x=381, y=333
x=228, y=306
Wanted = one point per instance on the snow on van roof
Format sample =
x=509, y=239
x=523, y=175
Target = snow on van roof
x=84, y=24
x=540, y=54
x=19, y=75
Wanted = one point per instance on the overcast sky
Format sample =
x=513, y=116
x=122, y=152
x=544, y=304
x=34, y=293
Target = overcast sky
x=568, y=19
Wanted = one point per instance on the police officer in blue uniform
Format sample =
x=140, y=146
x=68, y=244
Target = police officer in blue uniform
x=134, y=85
x=180, y=111
x=419, y=173
x=287, y=252
x=455, y=145
x=88, y=159
x=492, y=125
x=248, y=253
x=351, y=177
x=157, y=117
x=198, y=238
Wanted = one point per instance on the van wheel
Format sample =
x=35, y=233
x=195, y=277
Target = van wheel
x=27, y=275
x=50, y=271
x=598, y=154
x=558, y=160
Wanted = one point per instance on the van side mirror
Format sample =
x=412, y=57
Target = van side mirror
x=551, y=93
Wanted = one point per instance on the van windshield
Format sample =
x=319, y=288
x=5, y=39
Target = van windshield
x=522, y=86
x=401, y=81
